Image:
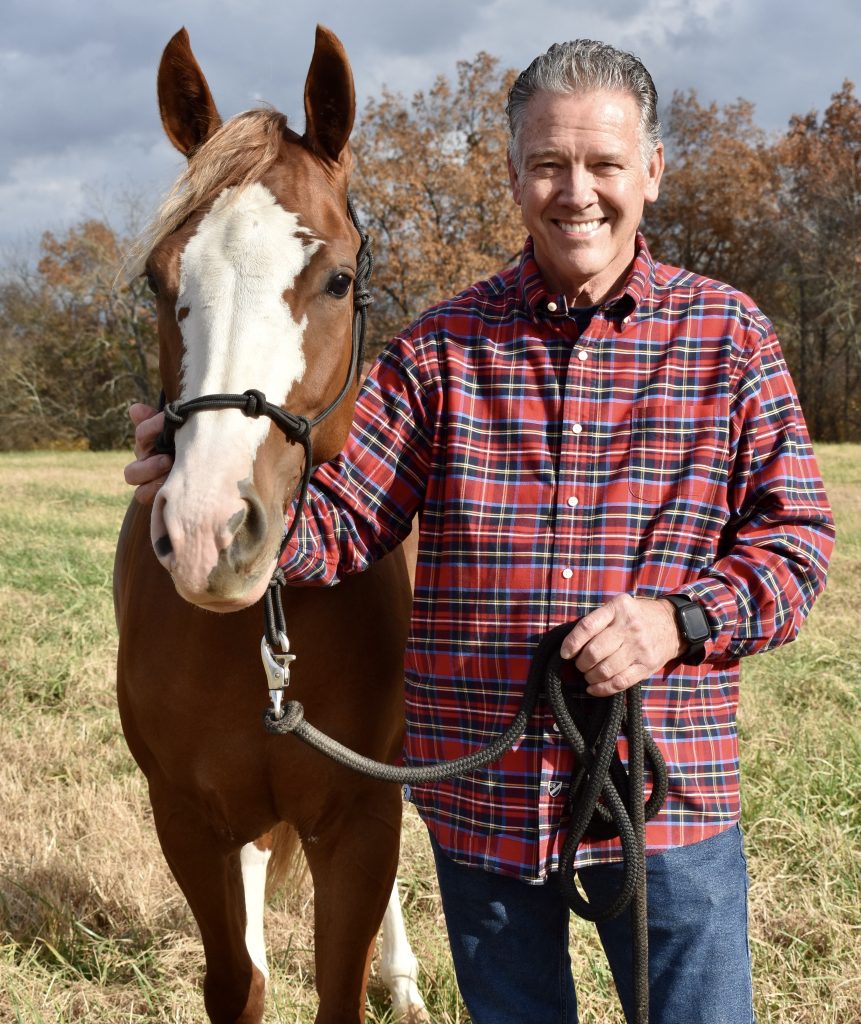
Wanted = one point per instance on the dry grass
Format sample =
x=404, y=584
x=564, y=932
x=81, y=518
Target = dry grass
x=92, y=927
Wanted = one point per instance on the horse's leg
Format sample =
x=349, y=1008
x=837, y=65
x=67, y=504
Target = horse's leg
x=398, y=966
x=353, y=860
x=209, y=873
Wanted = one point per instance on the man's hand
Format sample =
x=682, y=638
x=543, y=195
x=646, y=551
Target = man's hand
x=149, y=471
x=623, y=642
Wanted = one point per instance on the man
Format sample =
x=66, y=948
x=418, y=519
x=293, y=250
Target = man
x=589, y=436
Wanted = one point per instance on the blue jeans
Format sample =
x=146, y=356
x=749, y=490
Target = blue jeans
x=509, y=940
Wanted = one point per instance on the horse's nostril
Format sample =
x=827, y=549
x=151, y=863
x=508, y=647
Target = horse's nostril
x=163, y=546
x=255, y=521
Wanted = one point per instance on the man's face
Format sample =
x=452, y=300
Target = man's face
x=581, y=187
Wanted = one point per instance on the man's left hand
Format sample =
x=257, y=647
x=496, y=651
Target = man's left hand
x=623, y=642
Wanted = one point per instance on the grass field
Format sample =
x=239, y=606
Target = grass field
x=92, y=927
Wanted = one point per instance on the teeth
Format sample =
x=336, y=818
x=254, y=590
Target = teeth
x=579, y=227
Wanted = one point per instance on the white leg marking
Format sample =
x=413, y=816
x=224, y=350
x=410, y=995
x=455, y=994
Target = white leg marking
x=398, y=967
x=253, y=862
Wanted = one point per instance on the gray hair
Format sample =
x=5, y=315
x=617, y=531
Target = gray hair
x=584, y=65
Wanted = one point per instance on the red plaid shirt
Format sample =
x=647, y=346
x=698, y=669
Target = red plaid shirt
x=658, y=449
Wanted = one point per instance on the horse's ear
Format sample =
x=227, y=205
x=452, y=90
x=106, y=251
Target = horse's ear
x=188, y=111
x=330, y=98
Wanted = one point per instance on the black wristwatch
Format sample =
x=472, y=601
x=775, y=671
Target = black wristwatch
x=693, y=627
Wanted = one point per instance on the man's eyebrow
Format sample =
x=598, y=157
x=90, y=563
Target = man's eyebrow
x=597, y=154
x=542, y=153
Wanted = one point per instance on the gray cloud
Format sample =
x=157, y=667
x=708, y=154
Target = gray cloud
x=77, y=79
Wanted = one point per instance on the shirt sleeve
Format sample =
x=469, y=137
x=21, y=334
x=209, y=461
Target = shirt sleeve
x=774, y=551
x=361, y=504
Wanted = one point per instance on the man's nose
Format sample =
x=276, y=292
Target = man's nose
x=577, y=188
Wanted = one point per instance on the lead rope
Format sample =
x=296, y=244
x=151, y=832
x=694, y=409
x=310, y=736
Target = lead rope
x=603, y=797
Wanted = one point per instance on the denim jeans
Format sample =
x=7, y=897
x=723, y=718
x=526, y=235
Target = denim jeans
x=509, y=940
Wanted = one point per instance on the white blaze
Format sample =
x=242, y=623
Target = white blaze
x=238, y=332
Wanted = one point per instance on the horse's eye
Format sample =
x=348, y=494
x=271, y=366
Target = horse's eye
x=339, y=285
x=151, y=281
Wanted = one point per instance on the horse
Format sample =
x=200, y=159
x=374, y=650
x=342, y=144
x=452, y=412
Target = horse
x=252, y=259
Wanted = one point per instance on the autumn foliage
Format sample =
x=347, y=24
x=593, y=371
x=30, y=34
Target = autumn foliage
x=432, y=185
x=75, y=349
x=776, y=216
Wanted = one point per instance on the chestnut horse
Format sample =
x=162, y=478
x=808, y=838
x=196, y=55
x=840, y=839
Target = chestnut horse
x=252, y=259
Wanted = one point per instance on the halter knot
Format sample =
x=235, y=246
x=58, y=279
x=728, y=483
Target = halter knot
x=278, y=578
x=362, y=298
x=174, y=414
x=255, y=404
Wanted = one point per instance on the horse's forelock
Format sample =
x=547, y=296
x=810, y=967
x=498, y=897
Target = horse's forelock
x=238, y=153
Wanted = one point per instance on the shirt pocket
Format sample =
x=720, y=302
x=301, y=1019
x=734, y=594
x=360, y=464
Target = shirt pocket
x=678, y=452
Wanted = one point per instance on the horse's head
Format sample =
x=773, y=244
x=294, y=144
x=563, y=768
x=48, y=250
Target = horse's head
x=252, y=259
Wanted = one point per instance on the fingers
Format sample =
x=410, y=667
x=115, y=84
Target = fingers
x=149, y=470
x=587, y=628
x=621, y=643
x=148, y=476
x=138, y=412
x=148, y=425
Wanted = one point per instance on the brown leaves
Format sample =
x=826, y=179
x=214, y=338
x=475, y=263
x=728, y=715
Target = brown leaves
x=718, y=209
x=77, y=347
x=779, y=218
x=431, y=182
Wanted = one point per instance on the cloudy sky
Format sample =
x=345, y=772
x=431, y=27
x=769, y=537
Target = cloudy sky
x=78, y=119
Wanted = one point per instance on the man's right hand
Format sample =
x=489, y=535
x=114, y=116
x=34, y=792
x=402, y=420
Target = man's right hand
x=149, y=470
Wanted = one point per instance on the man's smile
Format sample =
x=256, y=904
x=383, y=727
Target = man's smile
x=579, y=227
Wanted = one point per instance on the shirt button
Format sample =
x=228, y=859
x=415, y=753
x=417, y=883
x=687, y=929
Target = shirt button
x=577, y=428
x=567, y=574
x=572, y=501
x=552, y=307
x=581, y=355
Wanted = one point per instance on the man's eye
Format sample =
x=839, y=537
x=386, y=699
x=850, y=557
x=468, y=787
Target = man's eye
x=339, y=285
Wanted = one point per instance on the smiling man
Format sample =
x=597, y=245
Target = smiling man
x=581, y=174
x=588, y=435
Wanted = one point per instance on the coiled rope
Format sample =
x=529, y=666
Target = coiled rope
x=604, y=799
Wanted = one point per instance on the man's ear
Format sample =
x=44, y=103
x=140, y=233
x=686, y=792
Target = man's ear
x=654, y=173
x=514, y=181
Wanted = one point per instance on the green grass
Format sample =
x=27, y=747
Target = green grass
x=92, y=927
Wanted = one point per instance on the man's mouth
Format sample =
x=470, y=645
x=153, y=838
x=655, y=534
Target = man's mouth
x=579, y=227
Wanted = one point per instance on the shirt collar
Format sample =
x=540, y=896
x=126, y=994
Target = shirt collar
x=637, y=286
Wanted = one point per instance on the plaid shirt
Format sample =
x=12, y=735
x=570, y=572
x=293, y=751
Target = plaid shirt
x=658, y=448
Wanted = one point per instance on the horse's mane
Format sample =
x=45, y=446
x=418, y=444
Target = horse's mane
x=239, y=152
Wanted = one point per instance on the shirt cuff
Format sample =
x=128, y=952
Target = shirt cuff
x=718, y=601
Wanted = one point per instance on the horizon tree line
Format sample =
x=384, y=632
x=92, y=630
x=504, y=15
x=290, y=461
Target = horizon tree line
x=775, y=215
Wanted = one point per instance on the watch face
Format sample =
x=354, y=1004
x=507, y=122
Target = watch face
x=694, y=624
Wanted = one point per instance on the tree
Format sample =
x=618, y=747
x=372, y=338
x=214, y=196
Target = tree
x=78, y=347
x=820, y=206
x=779, y=219
x=432, y=185
x=718, y=210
